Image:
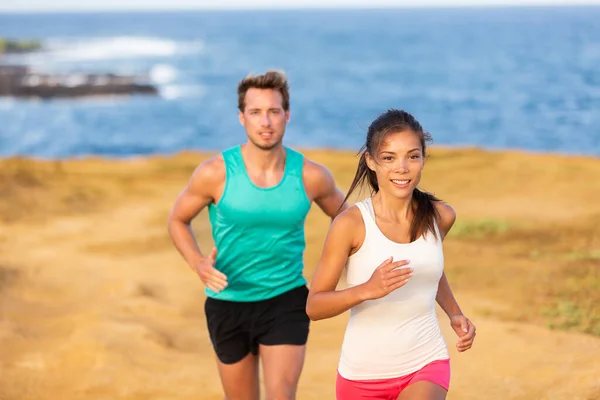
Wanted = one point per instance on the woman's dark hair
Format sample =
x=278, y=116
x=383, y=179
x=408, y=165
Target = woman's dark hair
x=393, y=121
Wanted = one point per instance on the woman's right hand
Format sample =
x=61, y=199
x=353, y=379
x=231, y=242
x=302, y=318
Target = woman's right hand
x=386, y=278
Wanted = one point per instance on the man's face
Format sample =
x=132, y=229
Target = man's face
x=264, y=117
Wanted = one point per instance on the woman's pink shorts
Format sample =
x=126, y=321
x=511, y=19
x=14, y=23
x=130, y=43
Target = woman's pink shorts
x=437, y=372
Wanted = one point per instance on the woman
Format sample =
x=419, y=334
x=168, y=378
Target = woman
x=390, y=246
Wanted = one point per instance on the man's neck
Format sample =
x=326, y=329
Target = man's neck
x=263, y=160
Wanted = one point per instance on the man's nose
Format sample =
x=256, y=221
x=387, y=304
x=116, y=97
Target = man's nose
x=265, y=120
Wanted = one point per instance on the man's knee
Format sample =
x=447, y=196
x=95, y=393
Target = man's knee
x=281, y=394
x=247, y=393
x=284, y=389
x=241, y=396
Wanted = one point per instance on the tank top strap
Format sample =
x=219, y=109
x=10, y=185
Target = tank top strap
x=368, y=203
x=294, y=163
x=368, y=215
x=234, y=163
x=437, y=230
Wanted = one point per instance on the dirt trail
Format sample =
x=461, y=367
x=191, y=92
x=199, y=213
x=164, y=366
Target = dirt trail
x=102, y=307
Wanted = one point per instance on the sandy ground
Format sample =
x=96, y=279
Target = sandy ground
x=98, y=305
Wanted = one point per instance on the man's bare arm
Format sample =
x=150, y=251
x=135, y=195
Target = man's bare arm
x=322, y=189
x=207, y=180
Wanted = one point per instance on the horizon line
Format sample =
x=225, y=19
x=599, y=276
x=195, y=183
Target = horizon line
x=297, y=8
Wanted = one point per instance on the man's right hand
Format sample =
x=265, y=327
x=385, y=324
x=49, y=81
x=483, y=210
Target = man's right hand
x=386, y=278
x=212, y=278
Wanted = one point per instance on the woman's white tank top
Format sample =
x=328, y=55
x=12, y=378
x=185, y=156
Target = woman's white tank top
x=398, y=334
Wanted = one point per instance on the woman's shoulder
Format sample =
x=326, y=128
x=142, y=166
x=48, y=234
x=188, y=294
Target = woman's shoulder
x=350, y=217
x=445, y=216
x=350, y=228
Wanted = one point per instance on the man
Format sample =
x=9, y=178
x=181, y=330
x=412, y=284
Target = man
x=258, y=195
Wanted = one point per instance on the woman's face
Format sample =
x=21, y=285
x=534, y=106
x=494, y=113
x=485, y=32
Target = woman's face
x=398, y=163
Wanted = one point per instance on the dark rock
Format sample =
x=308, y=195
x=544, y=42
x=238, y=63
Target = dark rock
x=19, y=46
x=20, y=81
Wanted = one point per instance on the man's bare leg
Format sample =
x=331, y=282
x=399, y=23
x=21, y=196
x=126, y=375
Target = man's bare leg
x=282, y=366
x=240, y=380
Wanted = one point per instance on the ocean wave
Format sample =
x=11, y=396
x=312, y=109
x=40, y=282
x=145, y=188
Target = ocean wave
x=172, y=92
x=111, y=48
x=161, y=74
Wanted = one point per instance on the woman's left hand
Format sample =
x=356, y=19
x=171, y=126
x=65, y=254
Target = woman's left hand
x=465, y=330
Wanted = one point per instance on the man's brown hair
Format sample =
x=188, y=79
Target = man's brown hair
x=275, y=80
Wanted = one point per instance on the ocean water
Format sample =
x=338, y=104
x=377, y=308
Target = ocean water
x=497, y=78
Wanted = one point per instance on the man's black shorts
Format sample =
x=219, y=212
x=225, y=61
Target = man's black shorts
x=237, y=328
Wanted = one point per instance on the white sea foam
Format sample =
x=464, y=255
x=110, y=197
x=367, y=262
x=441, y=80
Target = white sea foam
x=161, y=74
x=110, y=48
x=172, y=92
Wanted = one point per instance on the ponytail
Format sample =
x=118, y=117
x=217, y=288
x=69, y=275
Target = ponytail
x=425, y=214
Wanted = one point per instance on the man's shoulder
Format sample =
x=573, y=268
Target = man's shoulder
x=317, y=177
x=212, y=169
x=316, y=170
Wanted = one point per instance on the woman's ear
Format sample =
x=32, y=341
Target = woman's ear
x=370, y=162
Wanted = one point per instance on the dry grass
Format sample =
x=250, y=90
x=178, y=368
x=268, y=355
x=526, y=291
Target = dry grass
x=95, y=302
x=33, y=190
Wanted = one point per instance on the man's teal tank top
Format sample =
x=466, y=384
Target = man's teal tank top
x=259, y=232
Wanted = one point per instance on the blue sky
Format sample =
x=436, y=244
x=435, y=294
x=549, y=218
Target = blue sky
x=73, y=5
